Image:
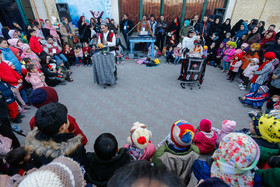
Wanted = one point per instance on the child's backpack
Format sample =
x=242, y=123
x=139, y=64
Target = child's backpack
x=201, y=169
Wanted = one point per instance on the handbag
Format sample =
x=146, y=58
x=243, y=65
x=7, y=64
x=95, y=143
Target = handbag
x=75, y=39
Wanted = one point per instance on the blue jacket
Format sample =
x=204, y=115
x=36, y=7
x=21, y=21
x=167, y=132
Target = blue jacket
x=9, y=56
x=7, y=93
x=240, y=33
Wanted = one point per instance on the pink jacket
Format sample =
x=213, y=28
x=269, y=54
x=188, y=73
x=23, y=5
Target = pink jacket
x=236, y=65
x=177, y=52
x=146, y=154
x=205, y=141
x=35, y=80
x=230, y=52
x=248, y=72
x=33, y=57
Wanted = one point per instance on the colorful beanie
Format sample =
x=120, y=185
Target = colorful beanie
x=42, y=96
x=205, y=125
x=233, y=44
x=182, y=133
x=267, y=127
x=256, y=46
x=140, y=135
x=187, y=22
x=263, y=89
x=238, y=51
x=228, y=125
x=269, y=56
x=61, y=172
x=255, y=60
x=228, y=42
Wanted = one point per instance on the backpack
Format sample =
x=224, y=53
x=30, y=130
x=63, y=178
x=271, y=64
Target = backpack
x=201, y=169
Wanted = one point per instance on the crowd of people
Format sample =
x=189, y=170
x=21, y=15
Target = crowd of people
x=35, y=59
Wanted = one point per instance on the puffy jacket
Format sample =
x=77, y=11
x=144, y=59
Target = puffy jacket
x=9, y=56
x=35, y=80
x=205, y=141
x=9, y=75
x=35, y=45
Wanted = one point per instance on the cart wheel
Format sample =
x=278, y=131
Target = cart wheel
x=190, y=88
x=183, y=85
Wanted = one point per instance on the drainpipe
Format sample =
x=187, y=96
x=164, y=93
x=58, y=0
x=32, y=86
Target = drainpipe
x=183, y=12
x=141, y=9
x=161, y=7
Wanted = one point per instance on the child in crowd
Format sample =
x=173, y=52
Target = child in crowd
x=69, y=54
x=244, y=47
x=78, y=54
x=106, y=159
x=172, y=41
x=169, y=55
x=34, y=77
x=227, y=38
x=139, y=145
x=119, y=54
x=205, y=51
x=17, y=44
x=234, y=66
x=265, y=130
x=234, y=160
x=35, y=44
x=178, y=153
x=93, y=50
x=28, y=53
x=86, y=54
x=211, y=57
x=227, y=127
x=227, y=55
x=257, y=98
x=18, y=160
x=220, y=52
x=197, y=50
x=248, y=73
x=177, y=54
x=205, y=138
x=93, y=41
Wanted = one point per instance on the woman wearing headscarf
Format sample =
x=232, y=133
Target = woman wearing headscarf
x=268, y=37
x=53, y=33
x=67, y=32
x=92, y=24
x=254, y=36
x=261, y=25
x=236, y=27
x=83, y=30
x=253, y=23
x=242, y=30
x=175, y=27
x=184, y=30
x=235, y=159
x=214, y=32
x=226, y=27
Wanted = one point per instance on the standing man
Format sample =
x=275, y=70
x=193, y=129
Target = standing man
x=126, y=26
x=160, y=32
x=195, y=23
x=153, y=23
x=204, y=27
x=107, y=37
x=144, y=26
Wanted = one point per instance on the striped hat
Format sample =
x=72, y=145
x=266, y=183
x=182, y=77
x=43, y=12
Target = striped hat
x=264, y=89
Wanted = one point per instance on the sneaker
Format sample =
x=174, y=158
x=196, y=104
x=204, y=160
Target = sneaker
x=241, y=85
x=78, y=65
x=26, y=107
x=89, y=65
x=122, y=62
x=242, y=88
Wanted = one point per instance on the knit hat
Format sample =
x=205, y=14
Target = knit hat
x=139, y=136
x=256, y=46
x=25, y=47
x=205, y=125
x=13, y=41
x=238, y=51
x=264, y=89
x=182, y=133
x=233, y=44
x=245, y=45
x=228, y=125
x=228, y=43
x=11, y=33
x=187, y=22
x=42, y=96
x=191, y=31
x=267, y=127
x=269, y=56
x=255, y=60
x=61, y=172
x=196, y=42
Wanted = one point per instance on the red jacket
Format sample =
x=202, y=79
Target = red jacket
x=35, y=45
x=205, y=141
x=86, y=49
x=73, y=127
x=9, y=75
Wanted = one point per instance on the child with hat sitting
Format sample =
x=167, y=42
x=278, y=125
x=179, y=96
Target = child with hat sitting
x=205, y=138
x=265, y=130
x=257, y=98
x=178, y=153
x=138, y=143
x=227, y=127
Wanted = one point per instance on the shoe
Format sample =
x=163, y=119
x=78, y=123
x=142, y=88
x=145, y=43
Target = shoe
x=17, y=120
x=240, y=99
x=21, y=115
x=118, y=63
x=241, y=85
x=227, y=78
x=242, y=88
x=122, y=62
x=89, y=65
x=26, y=107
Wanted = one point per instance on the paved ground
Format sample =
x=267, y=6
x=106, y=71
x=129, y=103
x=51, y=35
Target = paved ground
x=151, y=95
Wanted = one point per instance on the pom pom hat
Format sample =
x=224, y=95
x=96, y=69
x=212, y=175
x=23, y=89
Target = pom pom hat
x=205, y=125
x=269, y=56
x=140, y=135
x=182, y=133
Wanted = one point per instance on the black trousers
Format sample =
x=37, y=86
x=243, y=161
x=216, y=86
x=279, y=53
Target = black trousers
x=232, y=75
x=6, y=130
x=245, y=81
x=160, y=41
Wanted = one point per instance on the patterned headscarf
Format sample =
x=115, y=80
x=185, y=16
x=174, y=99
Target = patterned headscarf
x=236, y=156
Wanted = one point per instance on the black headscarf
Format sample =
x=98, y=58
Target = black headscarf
x=216, y=28
x=261, y=28
x=225, y=27
x=236, y=27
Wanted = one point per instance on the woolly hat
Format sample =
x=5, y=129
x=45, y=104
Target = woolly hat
x=205, y=125
x=228, y=125
x=61, y=172
x=263, y=89
x=191, y=31
x=11, y=33
x=233, y=44
x=187, y=22
x=182, y=133
x=255, y=60
x=269, y=56
x=139, y=136
x=13, y=42
x=196, y=42
x=238, y=51
x=42, y=96
x=179, y=45
x=239, y=56
x=25, y=47
x=245, y=45
x=228, y=34
x=228, y=42
x=256, y=46
x=267, y=127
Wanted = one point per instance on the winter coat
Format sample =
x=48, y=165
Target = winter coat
x=183, y=32
x=161, y=27
x=236, y=65
x=274, y=48
x=256, y=99
x=9, y=75
x=240, y=33
x=147, y=27
x=5, y=146
x=49, y=48
x=44, y=148
x=231, y=53
x=7, y=93
x=267, y=149
x=276, y=83
x=205, y=141
x=141, y=154
x=246, y=61
x=153, y=26
x=35, y=80
x=252, y=38
x=270, y=177
x=73, y=127
x=129, y=23
x=33, y=57
x=177, y=52
x=248, y=72
x=174, y=27
x=189, y=43
x=212, y=53
x=206, y=27
x=35, y=45
x=64, y=33
x=100, y=171
x=263, y=74
x=8, y=55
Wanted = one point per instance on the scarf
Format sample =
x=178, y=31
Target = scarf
x=253, y=80
x=236, y=156
x=264, y=40
x=233, y=63
x=52, y=30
